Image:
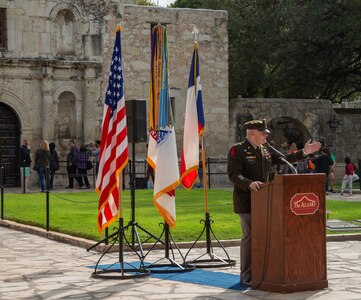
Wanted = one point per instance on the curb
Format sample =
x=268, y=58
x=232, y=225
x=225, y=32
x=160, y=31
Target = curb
x=86, y=244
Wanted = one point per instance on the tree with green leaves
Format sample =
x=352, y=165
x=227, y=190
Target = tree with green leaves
x=292, y=49
x=145, y=2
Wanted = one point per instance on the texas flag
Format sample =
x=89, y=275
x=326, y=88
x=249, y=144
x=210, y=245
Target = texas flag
x=193, y=125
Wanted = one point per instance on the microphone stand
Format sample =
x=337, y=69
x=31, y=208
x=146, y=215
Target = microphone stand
x=283, y=158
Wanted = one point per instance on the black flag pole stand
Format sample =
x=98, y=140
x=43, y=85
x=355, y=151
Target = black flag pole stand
x=136, y=244
x=214, y=261
x=121, y=269
x=170, y=265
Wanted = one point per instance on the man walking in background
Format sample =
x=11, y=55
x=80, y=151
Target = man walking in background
x=71, y=165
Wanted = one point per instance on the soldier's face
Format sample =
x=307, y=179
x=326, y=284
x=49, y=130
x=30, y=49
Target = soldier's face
x=260, y=137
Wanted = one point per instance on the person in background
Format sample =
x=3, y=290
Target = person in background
x=249, y=165
x=25, y=164
x=200, y=169
x=81, y=162
x=331, y=176
x=54, y=164
x=42, y=162
x=323, y=163
x=301, y=166
x=310, y=166
x=348, y=177
x=95, y=153
x=150, y=173
x=71, y=166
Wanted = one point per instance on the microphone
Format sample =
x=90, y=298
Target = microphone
x=283, y=158
x=275, y=150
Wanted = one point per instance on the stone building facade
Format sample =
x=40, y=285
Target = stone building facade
x=55, y=56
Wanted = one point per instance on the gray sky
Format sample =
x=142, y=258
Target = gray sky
x=163, y=2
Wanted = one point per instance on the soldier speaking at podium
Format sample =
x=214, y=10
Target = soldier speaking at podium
x=249, y=164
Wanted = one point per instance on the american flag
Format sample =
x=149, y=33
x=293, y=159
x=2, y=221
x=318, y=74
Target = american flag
x=193, y=125
x=113, y=154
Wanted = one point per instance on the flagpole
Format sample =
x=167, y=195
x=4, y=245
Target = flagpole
x=214, y=261
x=113, y=158
x=121, y=222
x=162, y=151
x=204, y=172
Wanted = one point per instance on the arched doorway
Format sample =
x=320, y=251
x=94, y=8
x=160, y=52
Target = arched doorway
x=9, y=145
x=286, y=129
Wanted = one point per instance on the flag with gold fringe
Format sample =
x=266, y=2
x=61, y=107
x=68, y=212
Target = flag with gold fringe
x=162, y=148
x=113, y=155
x=193, y=125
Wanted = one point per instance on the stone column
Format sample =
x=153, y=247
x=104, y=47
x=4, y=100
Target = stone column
x=89, y=116
x=47, y=118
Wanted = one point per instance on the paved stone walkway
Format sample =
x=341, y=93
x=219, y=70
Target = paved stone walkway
x=33, y=267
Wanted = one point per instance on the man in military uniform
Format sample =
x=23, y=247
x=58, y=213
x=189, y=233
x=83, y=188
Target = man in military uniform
x=249, y=165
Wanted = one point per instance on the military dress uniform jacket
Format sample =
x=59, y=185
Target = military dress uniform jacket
x=246, y=164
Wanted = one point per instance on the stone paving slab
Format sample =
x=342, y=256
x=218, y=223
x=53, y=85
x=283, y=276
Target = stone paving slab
x=34, y=267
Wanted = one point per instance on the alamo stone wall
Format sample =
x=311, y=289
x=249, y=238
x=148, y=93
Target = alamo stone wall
x=213, y=55
x=54, y=72
x=296, y=120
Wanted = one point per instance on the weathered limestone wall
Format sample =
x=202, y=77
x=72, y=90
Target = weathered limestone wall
x=213, y=52
x=310, y=116
x=64, y=47
x=54, y=72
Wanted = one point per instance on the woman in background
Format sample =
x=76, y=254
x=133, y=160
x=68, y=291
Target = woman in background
x=348, y=177
x=331, y=176
x=53, y=163
x=41, y=162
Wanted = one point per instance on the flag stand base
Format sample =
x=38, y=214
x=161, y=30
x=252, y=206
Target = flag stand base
x=121, y=269
x=136, y=244
x=214, y=261
x=170, y=265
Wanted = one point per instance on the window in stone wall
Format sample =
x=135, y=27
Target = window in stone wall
x=65, y=33
x=3, y=29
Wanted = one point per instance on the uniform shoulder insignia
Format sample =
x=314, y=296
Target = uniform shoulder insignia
x=235, y=147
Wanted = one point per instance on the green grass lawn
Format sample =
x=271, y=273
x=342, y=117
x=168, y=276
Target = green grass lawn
x=76, y=213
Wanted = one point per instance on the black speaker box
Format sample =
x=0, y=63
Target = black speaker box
x=141, y=183
x=136, y=121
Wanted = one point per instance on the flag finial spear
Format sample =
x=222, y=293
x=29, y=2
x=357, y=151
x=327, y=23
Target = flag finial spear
x=195, y=33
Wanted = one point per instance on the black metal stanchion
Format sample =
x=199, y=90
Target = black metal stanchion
x=24, y=188
x=213, y=261
x=47, y=198
x=359, y=167
x=94, y=174
x=2, y=192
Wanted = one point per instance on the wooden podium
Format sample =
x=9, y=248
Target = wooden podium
x=289, y=234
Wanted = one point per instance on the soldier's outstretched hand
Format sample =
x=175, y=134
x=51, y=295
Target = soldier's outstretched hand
x=311, y=147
